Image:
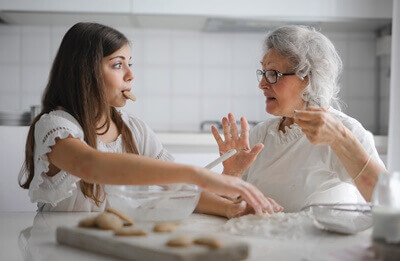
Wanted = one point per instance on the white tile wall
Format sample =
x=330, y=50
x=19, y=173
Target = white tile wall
x=217, y=49
x=157, y=47
x=186, y=48
x=157, y=112
x=214, y=108
x=137, y=43
x=217, y=81
x=250, y=108
x=186, y=80
x=184, y=77
x=28, y=100
x=10, y=78
x=186, y=113
x=247, y=49
x=34, y=78
x=9, y=102
x=244, y=82
x=10, y=42
x=35, y=45
x=359, y=79
x=138, y=86
x=156, y=80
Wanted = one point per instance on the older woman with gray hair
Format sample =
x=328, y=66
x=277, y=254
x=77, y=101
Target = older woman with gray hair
x=311, y=153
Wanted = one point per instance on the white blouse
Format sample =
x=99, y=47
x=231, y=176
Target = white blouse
x=295, y=173
x=62, y=192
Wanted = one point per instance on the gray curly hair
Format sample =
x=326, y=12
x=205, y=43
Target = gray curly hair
x=312, y=54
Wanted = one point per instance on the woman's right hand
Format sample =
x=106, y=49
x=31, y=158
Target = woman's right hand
x=238, y=163
x=233, y=186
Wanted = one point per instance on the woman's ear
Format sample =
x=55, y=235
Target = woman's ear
x=306, y=81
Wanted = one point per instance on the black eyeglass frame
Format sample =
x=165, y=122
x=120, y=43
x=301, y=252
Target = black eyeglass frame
x=277, y=73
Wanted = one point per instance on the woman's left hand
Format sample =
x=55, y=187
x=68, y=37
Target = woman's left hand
x=239, y=208
x=320, y=126
x=245, y=156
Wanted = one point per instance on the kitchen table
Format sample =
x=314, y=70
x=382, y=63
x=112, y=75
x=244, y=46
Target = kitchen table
x=31, y=236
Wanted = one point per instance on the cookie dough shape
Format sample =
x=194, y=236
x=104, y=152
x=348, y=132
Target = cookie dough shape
x=128, y=221
x=108, y=221
x=165, y=227
x=208, y=241
x=130, y=231
x=87, y=222
x=180, y=241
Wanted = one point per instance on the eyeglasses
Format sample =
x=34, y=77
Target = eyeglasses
x=271, y=75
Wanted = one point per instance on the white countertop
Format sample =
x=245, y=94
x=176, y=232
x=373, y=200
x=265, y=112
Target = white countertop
x=31, y=236
x=187, y=139
x=188, y=142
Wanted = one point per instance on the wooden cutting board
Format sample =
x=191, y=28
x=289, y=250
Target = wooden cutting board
x=150, y=247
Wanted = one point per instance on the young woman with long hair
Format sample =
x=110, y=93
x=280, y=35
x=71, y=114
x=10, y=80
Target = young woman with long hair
x=80, y=141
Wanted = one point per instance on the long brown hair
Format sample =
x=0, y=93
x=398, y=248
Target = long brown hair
x=76, y=85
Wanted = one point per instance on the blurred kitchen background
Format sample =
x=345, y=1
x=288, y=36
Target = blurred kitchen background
x=195, y=61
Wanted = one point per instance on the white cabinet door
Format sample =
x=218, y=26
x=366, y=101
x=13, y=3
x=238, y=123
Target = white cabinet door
x=12, y=149
x=78, y=6
x=287, y=10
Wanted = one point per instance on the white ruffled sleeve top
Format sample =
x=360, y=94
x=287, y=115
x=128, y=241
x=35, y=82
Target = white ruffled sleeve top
x=61, y=192
x=296, y=173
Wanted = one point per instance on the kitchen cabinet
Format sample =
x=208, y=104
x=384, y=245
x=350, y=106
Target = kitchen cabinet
x=12, y=196
x=66, y=13
x=285, y=10
x=70, y=6
x=192, y=14
x=312, y=9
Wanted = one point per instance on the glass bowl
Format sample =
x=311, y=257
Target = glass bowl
x=172, y=202
x=341, y=218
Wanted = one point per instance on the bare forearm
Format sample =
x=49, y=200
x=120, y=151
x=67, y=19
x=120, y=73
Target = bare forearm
x=112, y=168
x=212, y=204
x=353, y=157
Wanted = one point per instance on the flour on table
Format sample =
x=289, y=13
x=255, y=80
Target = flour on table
x=277, y=225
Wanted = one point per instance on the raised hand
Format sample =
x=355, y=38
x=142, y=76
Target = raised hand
x=319, y=125
x=245, y=155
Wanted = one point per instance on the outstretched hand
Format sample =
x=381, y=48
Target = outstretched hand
x=231, y=187
x=245, y=156
x=239, y=208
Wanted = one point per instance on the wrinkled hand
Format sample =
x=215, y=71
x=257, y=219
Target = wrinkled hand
x=240, y=208
x=245, y=156
x=319, y=126
x=232, y=186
